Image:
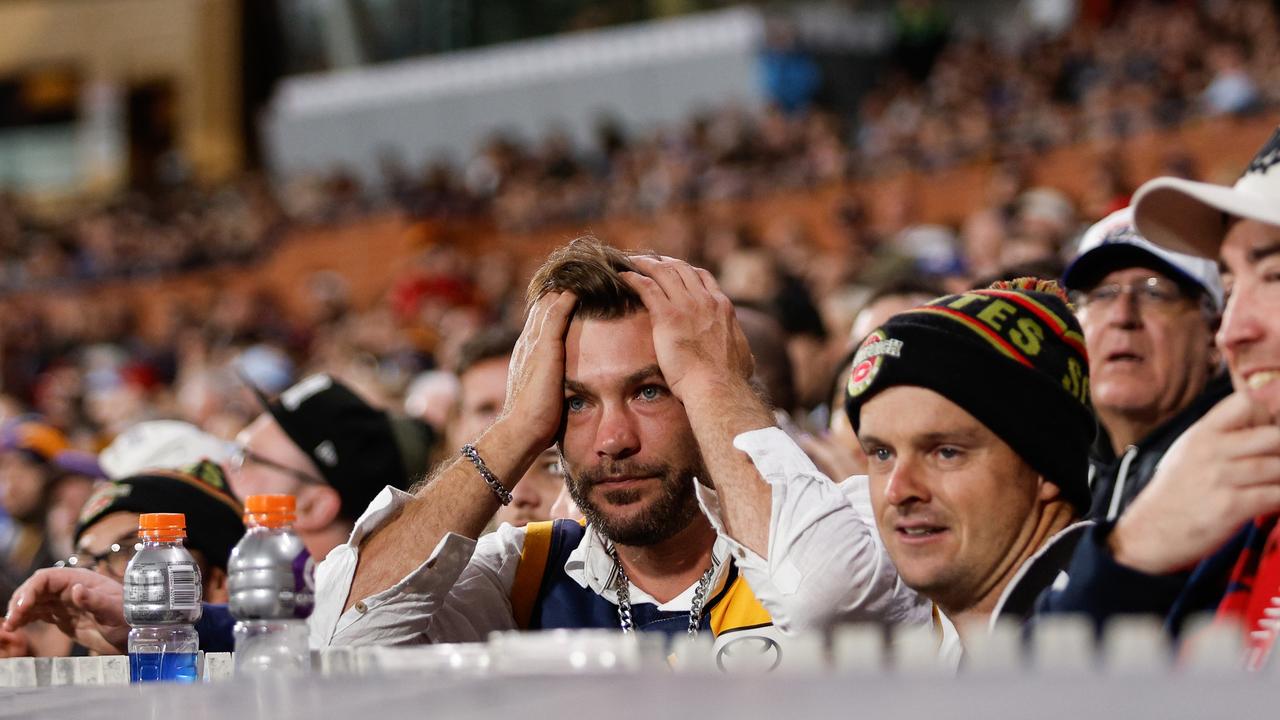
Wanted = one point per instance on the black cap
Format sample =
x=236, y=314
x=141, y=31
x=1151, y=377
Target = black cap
x=199, y=492
x=357, y=447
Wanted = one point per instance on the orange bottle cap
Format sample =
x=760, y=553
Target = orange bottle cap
x=272, y=511
x=259, y=504
x=162, y=521
x=163, y=527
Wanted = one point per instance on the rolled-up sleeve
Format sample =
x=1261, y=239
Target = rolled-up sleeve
x=458, y=593
x=826, y=563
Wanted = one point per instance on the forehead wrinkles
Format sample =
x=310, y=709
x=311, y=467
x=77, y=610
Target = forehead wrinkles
x=606, y=354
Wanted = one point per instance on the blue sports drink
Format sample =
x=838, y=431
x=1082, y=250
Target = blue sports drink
x=161, y=602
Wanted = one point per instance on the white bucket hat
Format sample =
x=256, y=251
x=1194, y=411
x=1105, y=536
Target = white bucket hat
x=1192, y=217
x=161, y=445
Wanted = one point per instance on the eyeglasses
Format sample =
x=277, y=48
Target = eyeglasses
x=116, y=559
x=244, y=455
x=1152, y=293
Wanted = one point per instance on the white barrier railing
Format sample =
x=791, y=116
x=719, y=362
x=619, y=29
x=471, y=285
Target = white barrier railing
x=1056, y=646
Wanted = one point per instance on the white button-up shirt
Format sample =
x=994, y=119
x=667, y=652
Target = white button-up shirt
x=825, y=564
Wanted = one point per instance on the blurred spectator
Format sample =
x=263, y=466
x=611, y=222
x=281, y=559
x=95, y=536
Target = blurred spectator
x=790, y=75
x=1148, y=316
x=35, y=459
x=1232, y=90
x=107, y=530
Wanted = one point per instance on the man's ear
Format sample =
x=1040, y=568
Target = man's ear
x=318, y=506
x=215, y=585
x=1048, y=491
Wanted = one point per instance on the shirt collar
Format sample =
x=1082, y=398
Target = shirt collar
x=591, y=566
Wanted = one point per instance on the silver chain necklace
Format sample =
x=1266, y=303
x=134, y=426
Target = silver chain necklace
x=624, y=596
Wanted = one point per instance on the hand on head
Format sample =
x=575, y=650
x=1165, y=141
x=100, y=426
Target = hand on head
x=695, y=332
x=535, y=380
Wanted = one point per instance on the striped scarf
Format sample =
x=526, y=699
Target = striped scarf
x=1253, y=593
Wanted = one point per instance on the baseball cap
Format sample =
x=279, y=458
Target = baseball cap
x=1113, y=244
x=357, y=447
x=199, y=492
x=39, y=439
x=160, y=444
x=1192, y=217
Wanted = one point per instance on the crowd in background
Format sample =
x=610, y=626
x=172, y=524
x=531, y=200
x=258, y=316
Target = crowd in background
x=92, y=371
x=946, y=100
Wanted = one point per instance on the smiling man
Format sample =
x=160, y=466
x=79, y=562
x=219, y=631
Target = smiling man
x=1203, y=536
x=635, y=367
x=1148, y=316
x=974, y=414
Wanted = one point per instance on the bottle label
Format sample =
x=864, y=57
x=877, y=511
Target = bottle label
x=184, y=586
x=304, y=582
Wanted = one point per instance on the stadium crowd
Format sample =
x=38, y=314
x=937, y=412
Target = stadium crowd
x=1156, y=65
x=1073, y=453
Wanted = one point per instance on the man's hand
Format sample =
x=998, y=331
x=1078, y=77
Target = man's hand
x=707, y=364
x=81, y=603
x=535, y=381
x=695, y=332
x=14, y=643
x=1223, y=471
x=456, y=499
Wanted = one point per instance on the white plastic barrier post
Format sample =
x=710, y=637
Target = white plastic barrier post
x=436, y=660
x=858, y=649
x=115, y=670
x=693, y=655
x=564, y=651
x=803, y=654
x=44, y=672
x=218, y=666
x=1062, y=644
x=996, y=649
x=337, y=661
x=88, y=671
x=1211, y=647
x=23, y=673
x=1135, y=645
x=914, y=649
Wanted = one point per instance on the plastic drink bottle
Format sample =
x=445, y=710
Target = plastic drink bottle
x=269, y=581
x=162, y=601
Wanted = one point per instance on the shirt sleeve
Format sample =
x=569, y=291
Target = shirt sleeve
x=826, y=562
x=459, y=593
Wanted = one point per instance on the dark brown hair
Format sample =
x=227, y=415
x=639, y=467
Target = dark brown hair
x=488, y=344
x=592, y=271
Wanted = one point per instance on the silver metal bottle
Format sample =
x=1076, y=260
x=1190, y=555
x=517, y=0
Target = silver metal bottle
x=266, y=576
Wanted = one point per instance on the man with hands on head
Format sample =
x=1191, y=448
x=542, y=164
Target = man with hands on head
x=636, y=369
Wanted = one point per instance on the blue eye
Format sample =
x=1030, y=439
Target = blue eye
x=650, y=392
x=881, y=454
x=949, y=453
x=575, y=403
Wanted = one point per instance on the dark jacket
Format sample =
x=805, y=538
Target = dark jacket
x=1116, y=481
x=1100, y=587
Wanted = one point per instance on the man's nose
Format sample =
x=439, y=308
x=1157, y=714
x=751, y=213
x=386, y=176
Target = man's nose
x=616, y=436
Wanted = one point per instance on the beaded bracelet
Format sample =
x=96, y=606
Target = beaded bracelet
x=470, y=453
